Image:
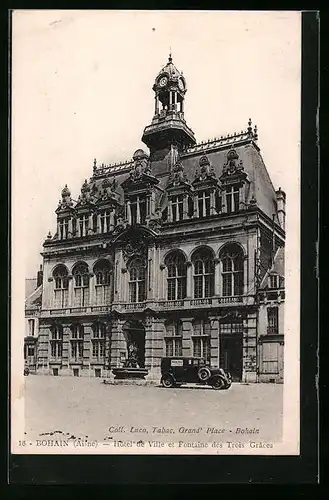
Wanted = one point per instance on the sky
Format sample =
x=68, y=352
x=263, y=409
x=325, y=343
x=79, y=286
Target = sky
x=82, y=89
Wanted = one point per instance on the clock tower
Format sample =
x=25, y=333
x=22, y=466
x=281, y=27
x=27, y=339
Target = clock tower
x=168, y=127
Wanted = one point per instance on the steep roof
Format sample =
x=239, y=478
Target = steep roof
x=33, y=300
x=30, y=286
x=277, y=267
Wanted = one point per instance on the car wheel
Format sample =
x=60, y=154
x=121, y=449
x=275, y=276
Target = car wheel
x=218, y=383
x=204, y=374
x=167, y=381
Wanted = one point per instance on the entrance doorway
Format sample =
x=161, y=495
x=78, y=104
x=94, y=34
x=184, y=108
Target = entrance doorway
x=97, y=372
x=75, y=372
x=134, y=334
x=55, y=372
x=231, y=355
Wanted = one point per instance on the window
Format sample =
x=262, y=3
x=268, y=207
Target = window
x=61, y=287
x=203, y=274
x=176, y=281
x=83, y=225
x=31, y=323
x=102, y=282
x=272, y=320
x=138, y=210
x=173, y=338
x=56, y=341
x=201, y=339
x=232, y=198
x=204, y=203
x=63, y=228
x=232, y=271
x=77, y=336
x=273, y=281
x=81, y=285
x=30, y=350
x=177, y=207
x=98, y=341
x=137, y=280
x=105, y=221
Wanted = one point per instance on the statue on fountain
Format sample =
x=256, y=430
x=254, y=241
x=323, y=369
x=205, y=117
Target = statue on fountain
x=132, y=360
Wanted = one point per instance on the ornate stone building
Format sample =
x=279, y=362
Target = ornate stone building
x=173, y=251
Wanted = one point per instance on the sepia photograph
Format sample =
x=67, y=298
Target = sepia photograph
x=155, y=166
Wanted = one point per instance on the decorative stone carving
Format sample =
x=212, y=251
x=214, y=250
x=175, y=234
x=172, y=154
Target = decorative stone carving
x=232, y=165
x=135, y=247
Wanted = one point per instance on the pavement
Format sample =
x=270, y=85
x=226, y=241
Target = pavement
x=87, y=409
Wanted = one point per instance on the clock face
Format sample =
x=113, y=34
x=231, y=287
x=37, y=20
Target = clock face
x=163, y=81
x=181, y=84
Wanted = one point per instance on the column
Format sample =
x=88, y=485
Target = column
x=212, y=203
x=138, y=216
x=66, y=353
x=90, y=228
x=105, y=222
x=185, y=207
x=58, y=230
x=112, y=225
x=189, y=281
x=195, y=206
x=246, y=285
x=70, y=228
x=249, y=360
x=204, y=213
x=99, y=227
x=170, y=210
x=118, y=342
x=87, y=349
x=157, y=347
x=187, y=340
x=170, y=100
x=92, y=294
x=152, y=203
x=128, y=212
x=214, y=342
x=149, y=342
x=217, y=277
x=71, y=292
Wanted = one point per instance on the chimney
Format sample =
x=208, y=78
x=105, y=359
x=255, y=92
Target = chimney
x=39, y=276
x=281, y=206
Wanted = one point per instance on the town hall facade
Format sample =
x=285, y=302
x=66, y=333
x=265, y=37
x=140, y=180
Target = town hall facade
x=177, y=252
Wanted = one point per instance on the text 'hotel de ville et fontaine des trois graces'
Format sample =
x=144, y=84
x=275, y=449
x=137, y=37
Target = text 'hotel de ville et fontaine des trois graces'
x=179, y=252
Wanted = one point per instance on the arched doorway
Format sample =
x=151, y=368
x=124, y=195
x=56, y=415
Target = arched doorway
x=134, y=333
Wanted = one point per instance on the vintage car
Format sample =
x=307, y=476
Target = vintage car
x=176, y=371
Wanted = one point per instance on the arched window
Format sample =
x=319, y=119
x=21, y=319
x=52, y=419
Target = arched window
x=203, y=264
x=176, y=280
x=56, y=341
x=201, y=339
x=173, y=338
x=77, y=336
x=137, y=273
x=98, y=341
x=61, y=287
x=81, y=285
x=232, y=271
x=102, y=271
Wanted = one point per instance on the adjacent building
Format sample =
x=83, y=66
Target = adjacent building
x=178, y=251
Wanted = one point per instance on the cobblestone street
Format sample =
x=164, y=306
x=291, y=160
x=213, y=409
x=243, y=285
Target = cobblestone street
x=82, y=408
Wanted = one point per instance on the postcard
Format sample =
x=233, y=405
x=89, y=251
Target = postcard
x=155, y=180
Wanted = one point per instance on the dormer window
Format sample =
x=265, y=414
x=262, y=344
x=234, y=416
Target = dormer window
x=232, y=198
x=273, y=281
x=105, y=221
x=63, y=228
x=83, y=225
x=138, y=209
x=177, y=206
x=204, y=203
